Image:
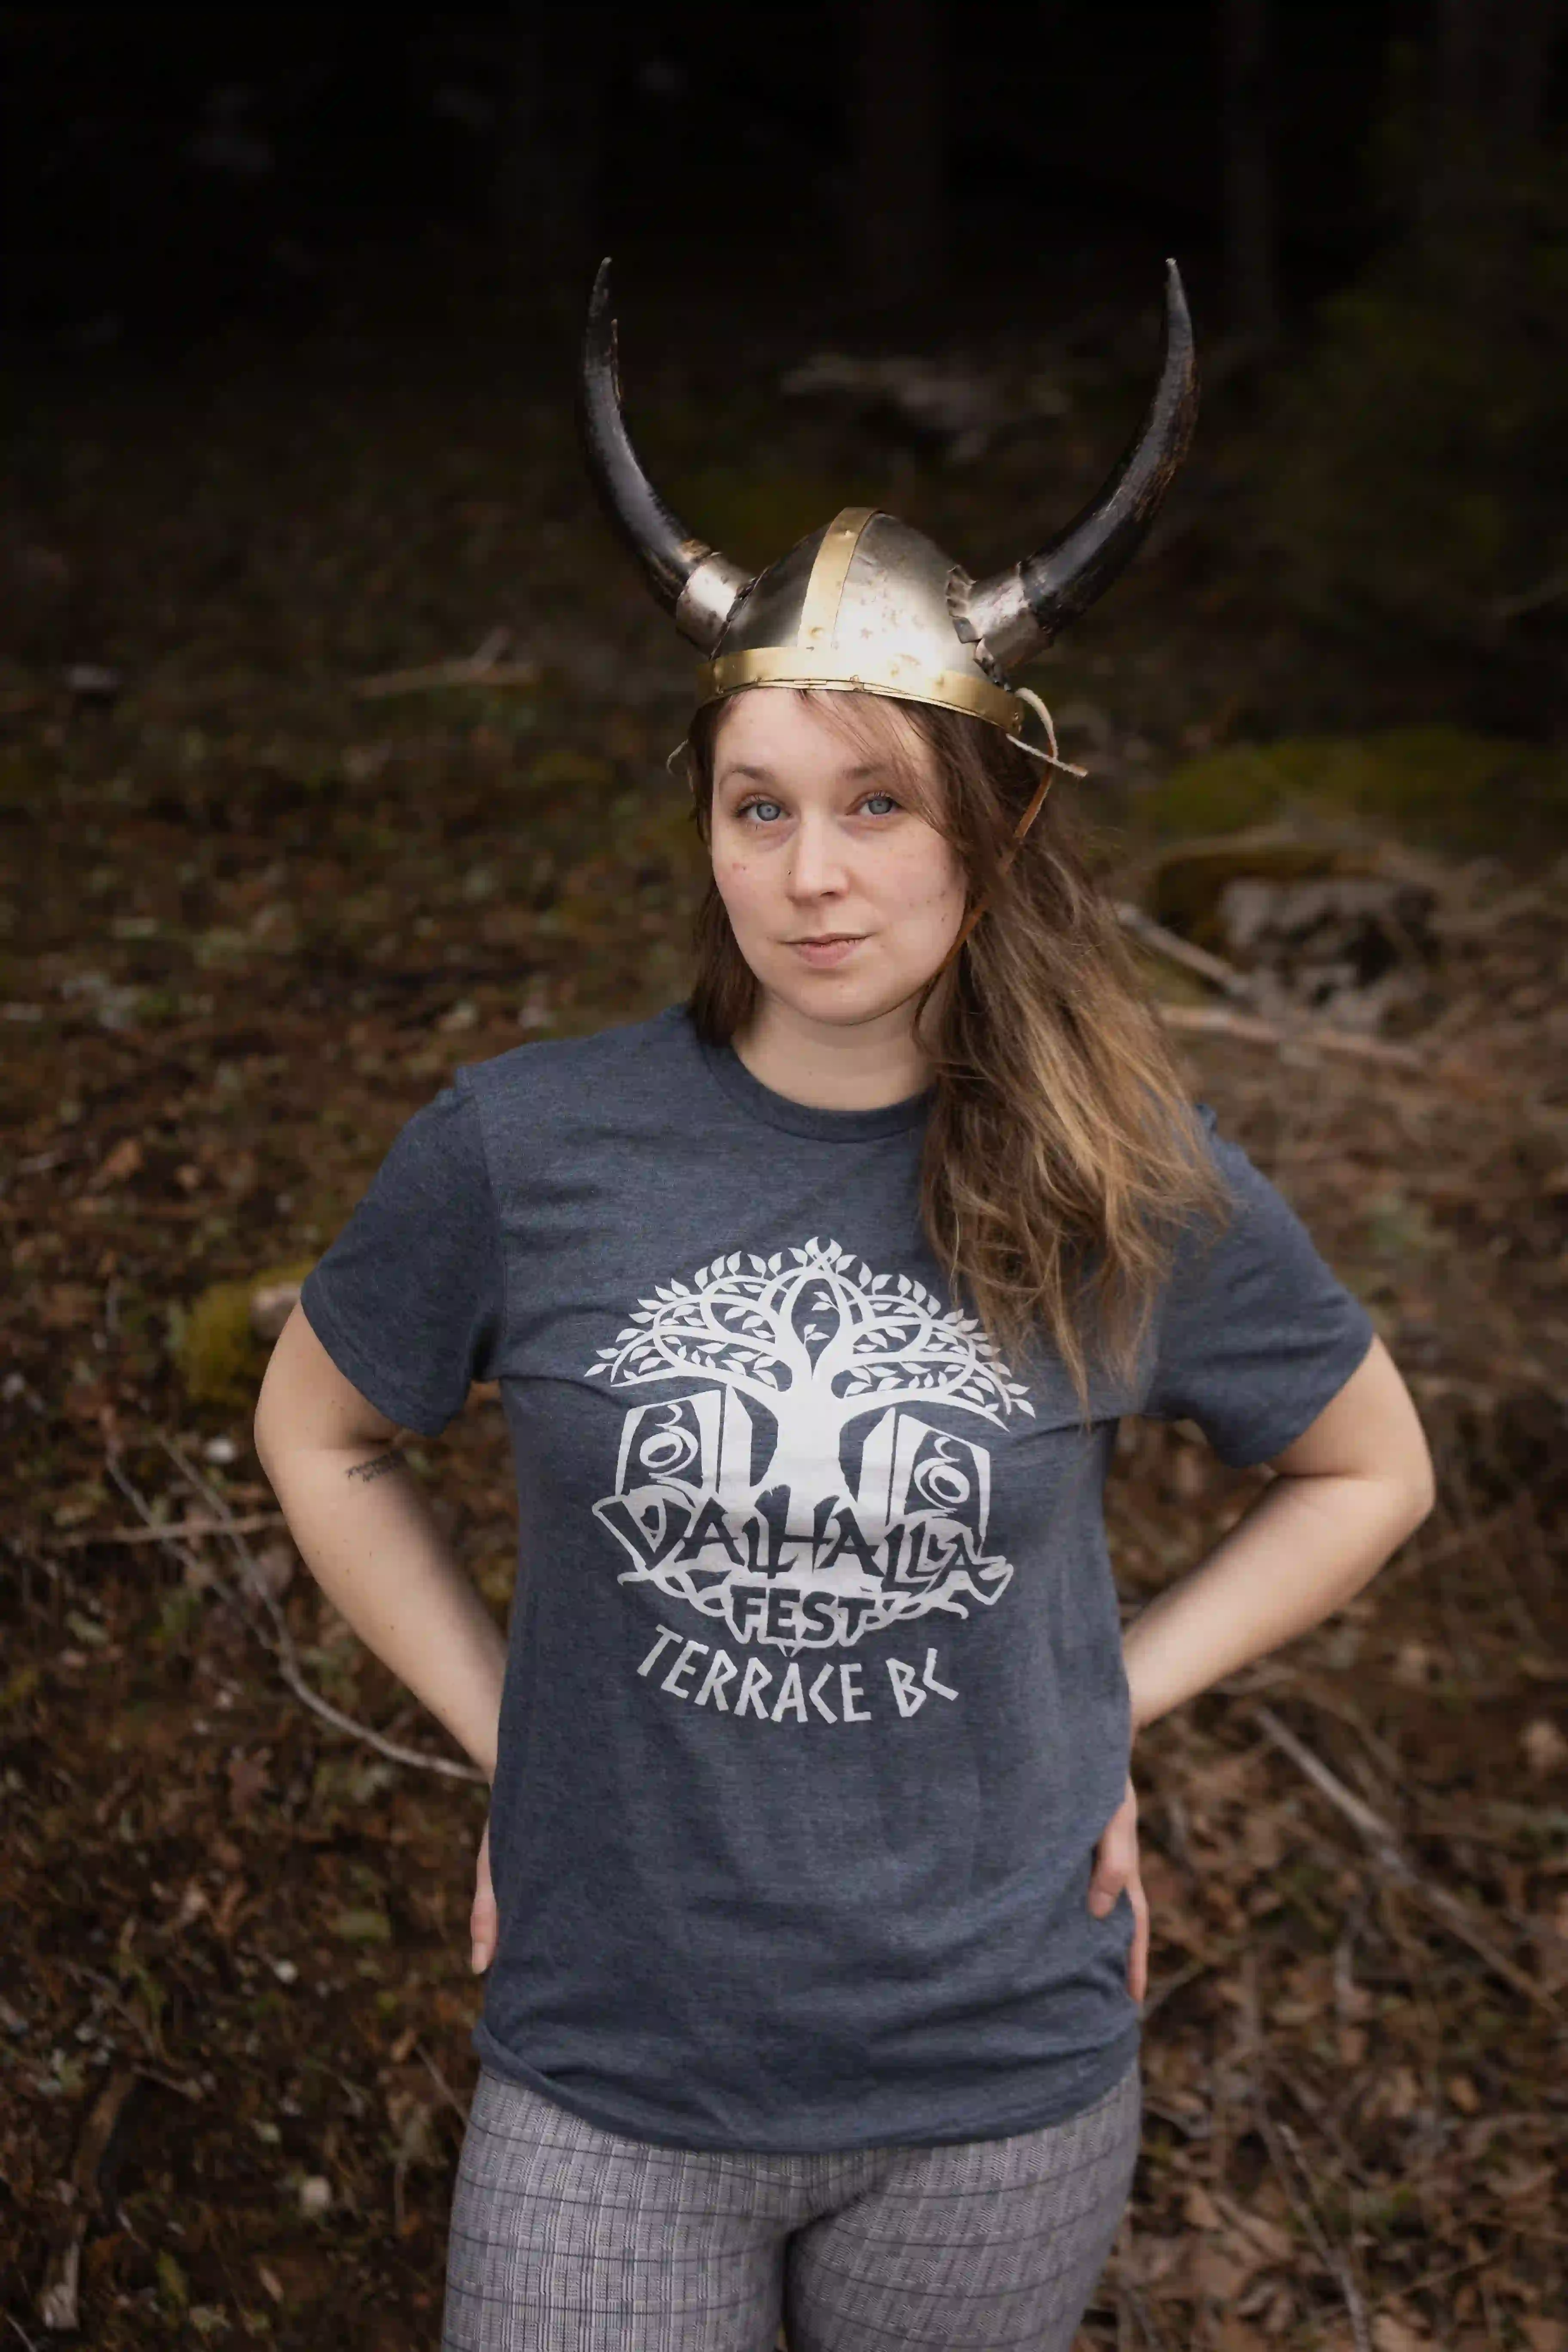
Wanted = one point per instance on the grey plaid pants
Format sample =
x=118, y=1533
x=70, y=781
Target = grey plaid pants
x=566, y=2238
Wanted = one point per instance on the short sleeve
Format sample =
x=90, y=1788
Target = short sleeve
x=1256, y=1334
x=409, y=1299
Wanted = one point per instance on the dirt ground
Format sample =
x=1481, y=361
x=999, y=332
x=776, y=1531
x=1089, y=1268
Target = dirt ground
x=268, y=891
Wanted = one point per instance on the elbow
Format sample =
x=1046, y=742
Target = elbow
x=269, y=1431
x=274, y=1420
x=1424, y=1481
x=261, y=1430
x=261, y=1439
x=1417, y=1496
x=1422, y=1505
x=1427, y=1497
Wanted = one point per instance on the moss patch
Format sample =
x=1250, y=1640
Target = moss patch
x=563, y=769
x=756, y=515
x=221, y=1360
x=1442, y=786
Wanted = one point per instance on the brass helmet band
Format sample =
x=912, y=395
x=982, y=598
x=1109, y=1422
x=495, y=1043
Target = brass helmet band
x=895, y=673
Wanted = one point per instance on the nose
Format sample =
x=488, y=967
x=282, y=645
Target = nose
x=816, y=858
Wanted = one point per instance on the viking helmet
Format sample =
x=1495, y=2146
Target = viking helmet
x=866, y=604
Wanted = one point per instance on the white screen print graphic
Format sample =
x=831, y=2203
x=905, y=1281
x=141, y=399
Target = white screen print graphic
x=801, y=1496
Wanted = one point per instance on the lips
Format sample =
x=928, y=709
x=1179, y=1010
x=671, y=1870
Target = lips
x=831, y=948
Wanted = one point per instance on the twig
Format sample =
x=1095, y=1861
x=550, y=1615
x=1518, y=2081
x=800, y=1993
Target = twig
x=251, y=1524
x=1423, y=1552
x=1159, y=1994
x=442, y=2084
x=287, y=1655
x=116, y=2001
x=1468, y=921
x=1304, y=2204
x=1434, y=2278
x=1145, y=2316
x=1345, y=1711
x=1530, y=600
x=483, y=668
x=1192, y=2127
x=278, y=1640
x=1323, y=2117
x=448, y=673
x=1251, y=1029
x=1277, y=2135
x=1379, y=1835
x=1178, y=951
x=59, y=2296
x=1130, y=2299
x=167, y=1536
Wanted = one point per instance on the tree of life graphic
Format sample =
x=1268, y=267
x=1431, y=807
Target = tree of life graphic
x=797, y=1488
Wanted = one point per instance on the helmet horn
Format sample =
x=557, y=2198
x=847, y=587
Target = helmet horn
x=1014, y=614
x=699, y=586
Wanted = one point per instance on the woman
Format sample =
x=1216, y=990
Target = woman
x=816, y=1938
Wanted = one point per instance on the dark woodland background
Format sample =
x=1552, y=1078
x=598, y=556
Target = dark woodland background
x=332, y=730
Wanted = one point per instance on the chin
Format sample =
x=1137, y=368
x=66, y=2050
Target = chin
x=840, y=1000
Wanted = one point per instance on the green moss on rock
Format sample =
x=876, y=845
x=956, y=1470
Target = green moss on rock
x=566, y=769
x=1442, y=785
x=754, y=515
x=221, y=1360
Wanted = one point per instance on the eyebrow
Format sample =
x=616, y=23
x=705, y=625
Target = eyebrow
x=767, y=776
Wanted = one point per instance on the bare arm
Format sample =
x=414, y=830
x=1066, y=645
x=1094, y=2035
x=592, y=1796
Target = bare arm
x=1347, y=1493
x=366, y=1533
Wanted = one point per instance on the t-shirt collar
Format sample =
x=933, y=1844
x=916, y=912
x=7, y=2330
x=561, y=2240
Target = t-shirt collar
x=823, y=1125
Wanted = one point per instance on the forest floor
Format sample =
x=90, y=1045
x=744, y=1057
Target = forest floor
x=269, y=890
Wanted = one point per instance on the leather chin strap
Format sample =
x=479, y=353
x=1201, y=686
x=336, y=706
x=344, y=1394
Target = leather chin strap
x=1049, y=761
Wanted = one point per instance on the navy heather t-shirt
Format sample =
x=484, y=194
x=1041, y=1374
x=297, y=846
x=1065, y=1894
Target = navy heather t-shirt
x=815, y=1706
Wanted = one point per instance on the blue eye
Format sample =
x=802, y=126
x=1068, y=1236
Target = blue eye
x=766, y=811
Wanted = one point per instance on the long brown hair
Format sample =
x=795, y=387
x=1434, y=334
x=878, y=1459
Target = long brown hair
x=1062, y=1153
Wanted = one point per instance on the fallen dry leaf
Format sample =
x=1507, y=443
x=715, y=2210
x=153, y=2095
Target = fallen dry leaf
x=1545, y=1748
x=1390, y=2333
x=122, y=1162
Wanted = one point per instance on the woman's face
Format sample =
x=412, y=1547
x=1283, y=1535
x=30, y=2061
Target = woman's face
x=842, y=900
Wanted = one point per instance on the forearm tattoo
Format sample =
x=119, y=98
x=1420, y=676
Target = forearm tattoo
x=391, y=1460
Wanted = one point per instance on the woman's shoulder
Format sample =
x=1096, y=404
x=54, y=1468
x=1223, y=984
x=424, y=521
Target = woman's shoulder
x=629, y=1058
x=626, y=1046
